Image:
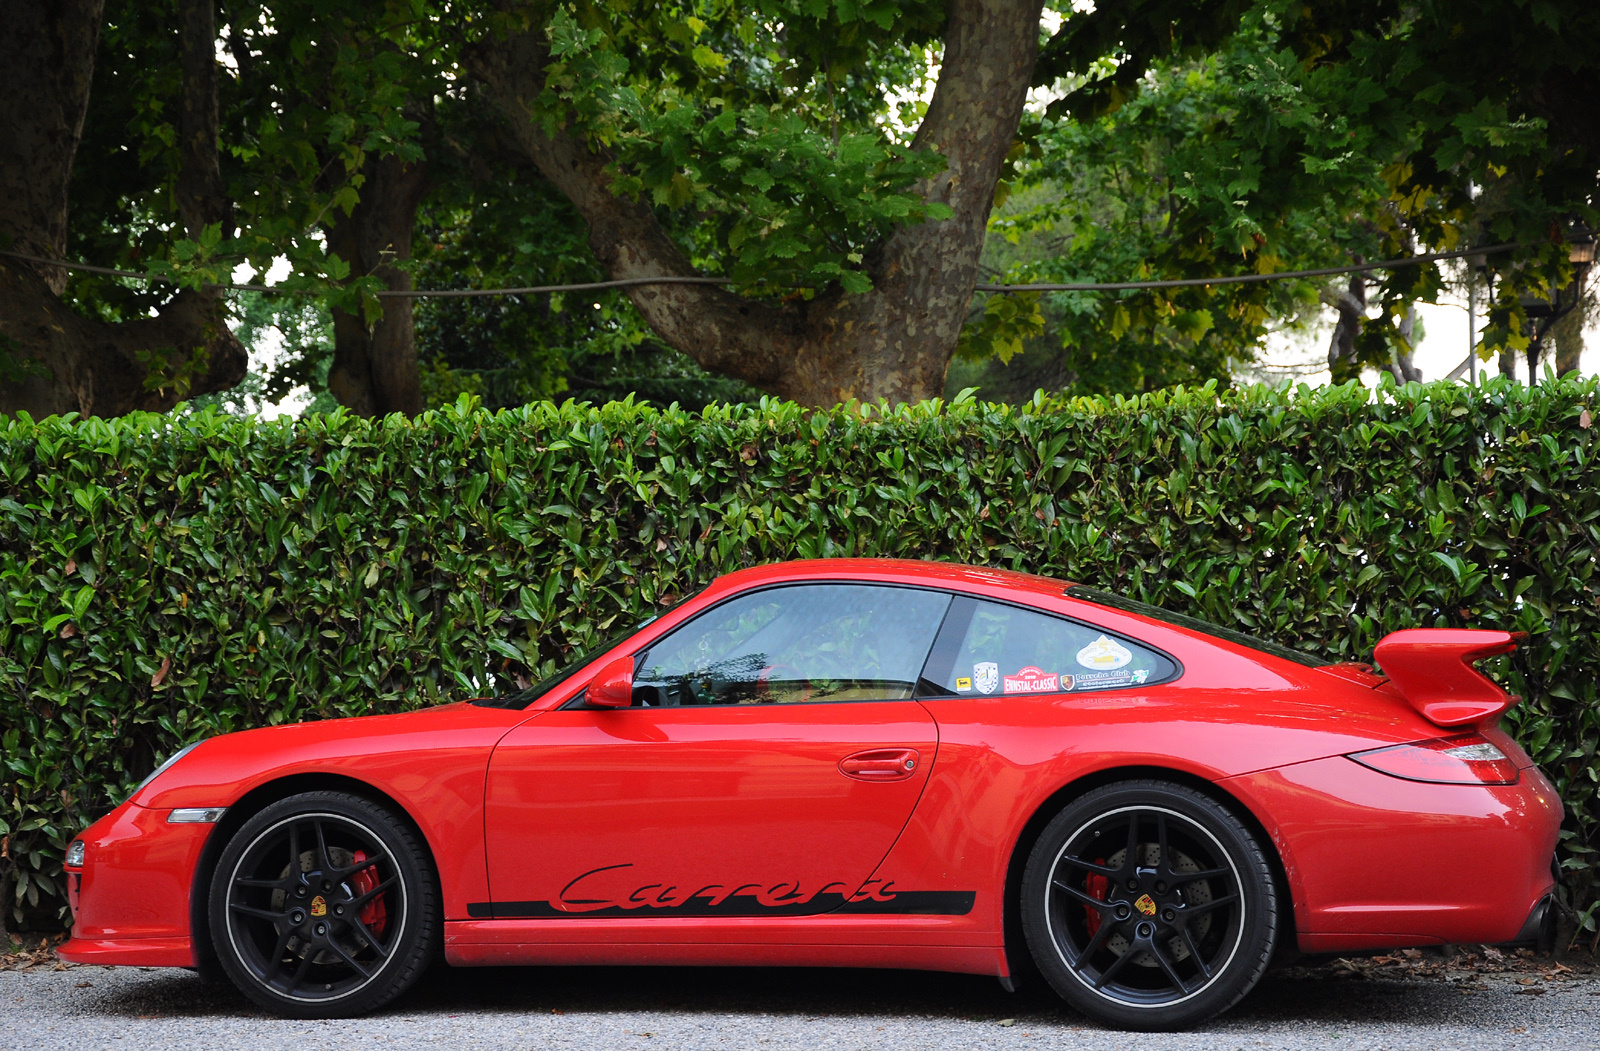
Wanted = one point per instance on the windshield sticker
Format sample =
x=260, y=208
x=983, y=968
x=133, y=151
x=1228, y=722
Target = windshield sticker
x=963, y=684
x=1033, y=680
x=1104, y=654
x=986, y=676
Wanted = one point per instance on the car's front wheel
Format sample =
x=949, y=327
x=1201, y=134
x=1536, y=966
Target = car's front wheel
x=323, y=906
x=1148, y=905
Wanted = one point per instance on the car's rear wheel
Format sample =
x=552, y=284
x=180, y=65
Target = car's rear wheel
x=323, y=906
x=1148, y=905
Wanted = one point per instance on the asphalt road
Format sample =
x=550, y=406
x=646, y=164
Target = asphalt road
x=540, y=1008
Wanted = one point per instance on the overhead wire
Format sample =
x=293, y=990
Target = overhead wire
x=665, y=279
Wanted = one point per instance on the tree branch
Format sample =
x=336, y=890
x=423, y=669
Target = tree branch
x=893, y=342
x=721, y=331
x=75, y=363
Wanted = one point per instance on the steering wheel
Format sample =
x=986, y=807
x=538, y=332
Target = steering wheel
x=798, y=684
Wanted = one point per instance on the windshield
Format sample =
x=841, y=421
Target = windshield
x=1144, y=609
x=523, y=698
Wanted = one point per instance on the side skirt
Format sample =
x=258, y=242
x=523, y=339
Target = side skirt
x=925, y=944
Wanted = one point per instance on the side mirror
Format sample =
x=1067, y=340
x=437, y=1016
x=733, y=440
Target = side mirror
x=613, y=686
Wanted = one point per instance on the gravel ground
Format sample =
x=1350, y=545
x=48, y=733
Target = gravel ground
x=538, y=1008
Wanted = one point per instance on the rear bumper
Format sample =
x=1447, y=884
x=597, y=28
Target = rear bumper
x=1376, y=862
x=1539, y=930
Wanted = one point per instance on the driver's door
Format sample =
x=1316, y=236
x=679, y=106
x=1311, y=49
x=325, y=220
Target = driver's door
x=771, y=758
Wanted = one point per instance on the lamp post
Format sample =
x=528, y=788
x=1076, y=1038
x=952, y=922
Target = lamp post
x=1474, y=264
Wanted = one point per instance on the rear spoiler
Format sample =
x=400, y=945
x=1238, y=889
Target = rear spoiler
x=1433, y=670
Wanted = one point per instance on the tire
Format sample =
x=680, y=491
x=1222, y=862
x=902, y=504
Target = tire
x=324, y=905
x=1149, y=906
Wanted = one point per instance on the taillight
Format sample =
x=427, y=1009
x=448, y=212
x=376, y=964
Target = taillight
x=1465, y=759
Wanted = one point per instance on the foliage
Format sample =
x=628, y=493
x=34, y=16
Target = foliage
x=1239, y=161
x=491, y=222
x=1492, y=97
x=1379, y=131
x=290, y=340
x=308, y=93
x=762, y=125
x=772, y=141
x=167, y=578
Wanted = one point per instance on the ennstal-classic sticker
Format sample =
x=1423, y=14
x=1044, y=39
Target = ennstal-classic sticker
x=1033, y=680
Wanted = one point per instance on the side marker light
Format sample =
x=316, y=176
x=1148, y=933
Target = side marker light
x=202, y=815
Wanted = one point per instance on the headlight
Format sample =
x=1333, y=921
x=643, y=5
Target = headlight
x=164, y=767
x=75, y=854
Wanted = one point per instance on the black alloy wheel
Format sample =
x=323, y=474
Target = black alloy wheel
x=323, y=906
x=1148, y=905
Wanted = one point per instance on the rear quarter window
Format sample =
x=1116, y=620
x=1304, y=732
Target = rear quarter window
x=992, y=649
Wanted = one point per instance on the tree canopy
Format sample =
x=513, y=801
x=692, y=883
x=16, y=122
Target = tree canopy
x=839, y=163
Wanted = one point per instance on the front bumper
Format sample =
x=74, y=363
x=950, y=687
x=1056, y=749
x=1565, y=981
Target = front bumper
x=131, y=897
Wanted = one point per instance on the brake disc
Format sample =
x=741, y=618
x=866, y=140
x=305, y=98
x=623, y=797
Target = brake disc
x=1196, y=892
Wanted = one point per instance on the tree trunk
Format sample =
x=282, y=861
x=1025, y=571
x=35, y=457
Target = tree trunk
x=375, y=371
x=1400, y=360
x=1351, y=305
x=53, y=360
x=1567, y=335
x=893, y=342
x=1508, y=363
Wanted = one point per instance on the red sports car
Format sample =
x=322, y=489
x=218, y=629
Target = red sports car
x=863, y=764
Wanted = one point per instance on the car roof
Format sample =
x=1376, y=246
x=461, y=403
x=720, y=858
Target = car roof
x=894, y=570
x=1040, y=592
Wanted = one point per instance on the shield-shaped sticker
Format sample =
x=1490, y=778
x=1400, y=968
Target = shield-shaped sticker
x=985, y=676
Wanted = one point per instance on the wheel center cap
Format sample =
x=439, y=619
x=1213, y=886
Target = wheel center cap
x=319, y=906
x=1144, y=903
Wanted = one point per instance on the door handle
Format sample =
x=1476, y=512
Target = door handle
x=881, y=764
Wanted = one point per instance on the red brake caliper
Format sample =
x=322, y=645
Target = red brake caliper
x=1096, y=885
x=375, y=914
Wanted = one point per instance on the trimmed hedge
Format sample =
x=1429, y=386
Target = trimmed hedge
x=163, y=578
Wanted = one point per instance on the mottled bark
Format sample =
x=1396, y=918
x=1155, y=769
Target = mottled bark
x=1567, y=335
x=1400, y=358
x=60, y=361
x=1508, y=362
x=1351, y=305
x=893, y=342
x=375, y=369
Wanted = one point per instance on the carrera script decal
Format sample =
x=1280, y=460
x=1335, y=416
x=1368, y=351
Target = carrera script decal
x=576, y=896
x=596, y=894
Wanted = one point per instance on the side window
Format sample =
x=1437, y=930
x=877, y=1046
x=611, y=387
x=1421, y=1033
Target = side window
x=991, y=649
x=792, y=645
